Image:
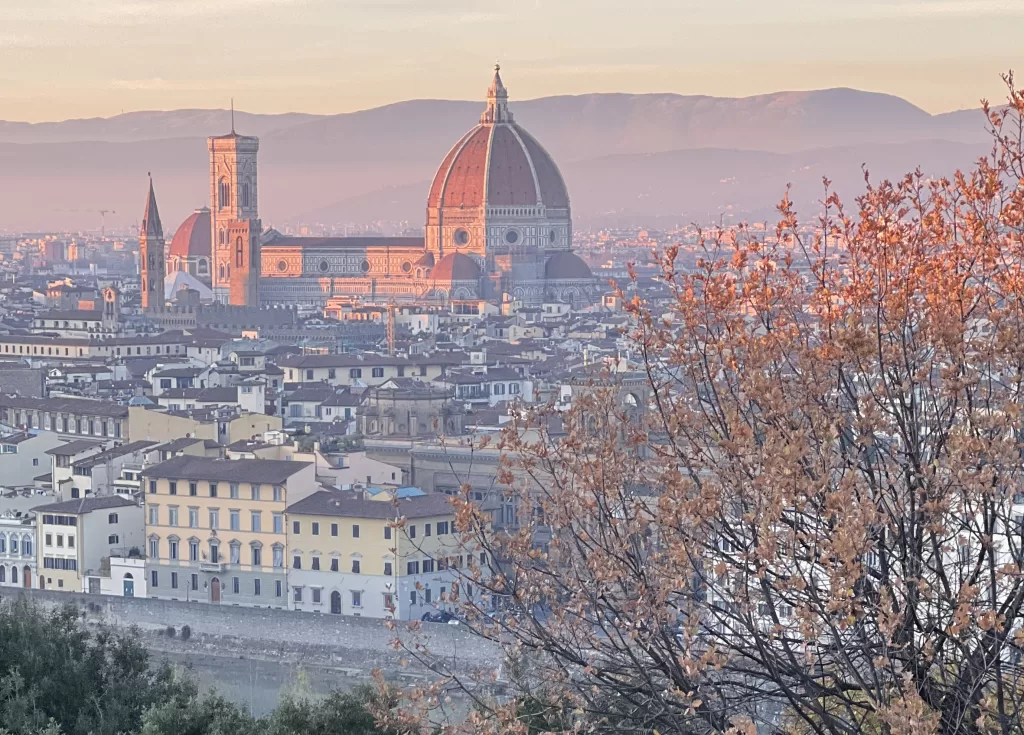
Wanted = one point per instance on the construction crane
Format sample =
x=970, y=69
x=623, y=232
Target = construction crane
x=101, y=212
x=103, y=215
x=392, y=309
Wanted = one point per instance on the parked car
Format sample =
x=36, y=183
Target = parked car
x=440, y=616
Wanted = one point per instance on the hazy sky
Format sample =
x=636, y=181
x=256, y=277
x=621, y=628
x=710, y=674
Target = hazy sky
x=83, y=58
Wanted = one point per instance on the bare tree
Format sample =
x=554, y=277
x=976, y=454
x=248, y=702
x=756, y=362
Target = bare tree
x=817, y=525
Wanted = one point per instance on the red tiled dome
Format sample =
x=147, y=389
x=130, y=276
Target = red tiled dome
x=498, y=163
x=566, y=266
x=455, y=267
x=192, y=240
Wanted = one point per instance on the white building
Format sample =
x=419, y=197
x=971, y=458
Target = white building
x=105, y=473
x=356, y=468
x=249, y=396
x=179, y=376
x=489, y=386
x=75, y=536
x=17, y=549
x=24, y=456
x=69, y=478
x=120, y=576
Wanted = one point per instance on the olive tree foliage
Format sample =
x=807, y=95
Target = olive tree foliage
x=816, y=525
x=59, y=676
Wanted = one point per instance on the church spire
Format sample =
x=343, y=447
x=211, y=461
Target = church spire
x=152, y=255
x=151, y=225
x=497, y=101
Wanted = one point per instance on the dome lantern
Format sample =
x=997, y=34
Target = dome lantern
x=497, y=101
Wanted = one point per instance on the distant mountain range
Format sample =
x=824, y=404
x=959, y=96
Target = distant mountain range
x=626, y=158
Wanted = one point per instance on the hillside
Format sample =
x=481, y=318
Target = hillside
x=699, y=185
x=622, y=155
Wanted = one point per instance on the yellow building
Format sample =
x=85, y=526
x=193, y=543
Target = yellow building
x=347, y=554
x=215, y=528
x=156, y=425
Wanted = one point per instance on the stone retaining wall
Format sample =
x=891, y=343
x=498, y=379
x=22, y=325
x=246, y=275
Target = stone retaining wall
x=359, y=644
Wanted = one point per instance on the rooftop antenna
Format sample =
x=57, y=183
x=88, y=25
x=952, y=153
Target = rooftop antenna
x=232, y=115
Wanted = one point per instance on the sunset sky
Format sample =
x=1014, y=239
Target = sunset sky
x=83, y=58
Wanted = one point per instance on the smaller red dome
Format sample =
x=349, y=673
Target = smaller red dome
x=193, y=238
x=566, y=266
x=455, y=267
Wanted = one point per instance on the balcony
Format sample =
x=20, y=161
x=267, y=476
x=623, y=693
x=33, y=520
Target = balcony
x=211, y=566
x=473, y=393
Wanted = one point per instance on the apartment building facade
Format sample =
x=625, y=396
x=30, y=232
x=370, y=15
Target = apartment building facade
x=17, y=549
x=369, y=370
x=372, y=557
x=69, y=418
x=215, y=528
x=224, y=425
x=24, y=456
x=75, y=536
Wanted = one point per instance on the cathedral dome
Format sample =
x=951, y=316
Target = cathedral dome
x=455, y=267
x=192, y=240
x=566, y=266
x=498, y=164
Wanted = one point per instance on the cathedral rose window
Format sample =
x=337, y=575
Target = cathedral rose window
x=512, y=237
x=461, y=237
x=324, y=266
x=365, y=266
x=282, y=265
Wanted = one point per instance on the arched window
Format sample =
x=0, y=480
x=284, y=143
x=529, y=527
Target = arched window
x=224, y=196
x=3, y=544
x=245, y=195
x=26, y=546
x=14, y=575
x=3, y=574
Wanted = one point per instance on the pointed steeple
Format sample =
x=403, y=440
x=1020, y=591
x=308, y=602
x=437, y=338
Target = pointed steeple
x=151, y=225
x=497, y=101
x=152, y=257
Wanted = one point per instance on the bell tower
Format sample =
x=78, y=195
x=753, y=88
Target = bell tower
x=234, y=218
x=152, y=256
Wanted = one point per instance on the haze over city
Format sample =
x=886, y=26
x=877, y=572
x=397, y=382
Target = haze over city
x=91, y=58
x=511, y=367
